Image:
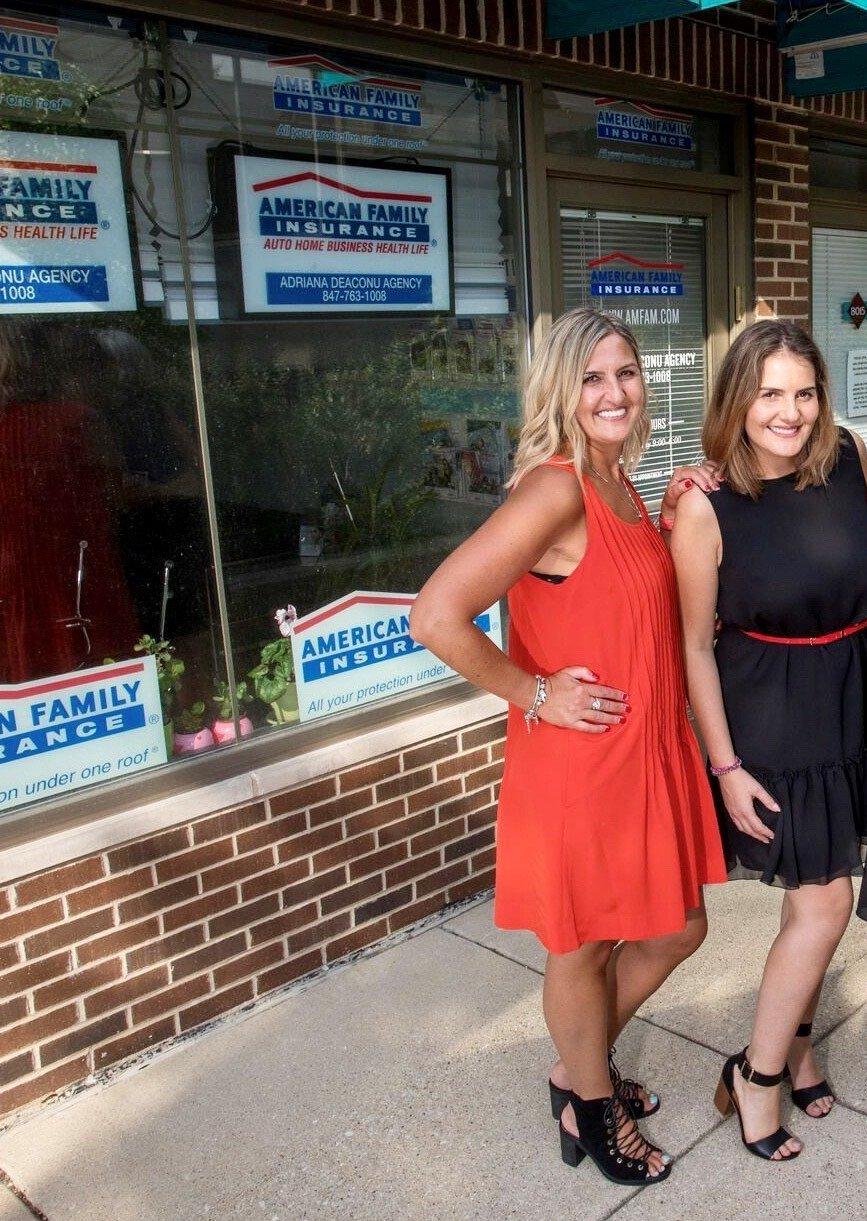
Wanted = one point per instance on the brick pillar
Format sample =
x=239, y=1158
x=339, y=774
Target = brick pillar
x=782, y=216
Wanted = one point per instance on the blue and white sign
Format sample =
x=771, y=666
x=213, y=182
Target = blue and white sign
x=319, y=87
x=64, y=237
x=358, y=649
x=28, y=48
x=623, y=275
x=639, y=123
x=342, y=238
x=66, y=732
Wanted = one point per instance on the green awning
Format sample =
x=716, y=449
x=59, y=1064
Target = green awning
x=825, y=47
x=566, y=18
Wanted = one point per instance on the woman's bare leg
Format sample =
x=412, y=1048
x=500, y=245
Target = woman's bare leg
x=799, y=957
x=634, y=972
x=575, y=1003
x=802, y=1059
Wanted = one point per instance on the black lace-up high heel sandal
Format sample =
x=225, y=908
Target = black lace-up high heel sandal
x=809, y=1093
x=610, y=1137
x=726, y=1102
x=629, y=1091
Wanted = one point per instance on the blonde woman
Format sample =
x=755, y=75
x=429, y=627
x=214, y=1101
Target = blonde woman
x=606, y=830
x=778, y=554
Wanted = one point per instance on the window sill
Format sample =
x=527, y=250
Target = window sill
x=53, y=833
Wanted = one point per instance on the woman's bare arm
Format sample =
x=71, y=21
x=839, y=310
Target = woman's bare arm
x=546, y=505
x=696, y=548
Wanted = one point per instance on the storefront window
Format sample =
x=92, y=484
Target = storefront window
x=637, y=132
x=348, y=233
x=104, y=550
x=838, y=171
x=837, y=166
x=360, y=321
x=839, y=311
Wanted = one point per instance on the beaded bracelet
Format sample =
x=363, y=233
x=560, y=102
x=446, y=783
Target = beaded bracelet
x=666, y=523
x=729, y=767
x=531, y=716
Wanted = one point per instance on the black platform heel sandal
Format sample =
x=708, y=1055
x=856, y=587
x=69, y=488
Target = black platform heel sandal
x=726, y=1102
x=629, y=1091
x=610, y=1138
x=809, y=1093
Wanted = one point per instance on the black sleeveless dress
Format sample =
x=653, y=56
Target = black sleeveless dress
x=795, y=564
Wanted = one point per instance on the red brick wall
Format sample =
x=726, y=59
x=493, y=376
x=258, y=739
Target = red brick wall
x=117, y=952
x=782, y=212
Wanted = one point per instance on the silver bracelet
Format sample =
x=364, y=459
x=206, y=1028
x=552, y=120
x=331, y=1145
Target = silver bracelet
x=531, y=716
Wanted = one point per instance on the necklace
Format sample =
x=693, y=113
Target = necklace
x=621, y=485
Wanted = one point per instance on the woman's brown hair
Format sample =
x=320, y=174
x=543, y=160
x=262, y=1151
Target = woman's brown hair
x=737, y=386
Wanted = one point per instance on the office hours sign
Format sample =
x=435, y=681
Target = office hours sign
x=64, y=233
x=328, y=238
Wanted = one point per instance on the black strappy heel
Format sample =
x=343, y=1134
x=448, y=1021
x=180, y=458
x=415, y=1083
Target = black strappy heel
x=726, y=1102
x=809, y=1093
x=629, y=1091
x=610, y=1138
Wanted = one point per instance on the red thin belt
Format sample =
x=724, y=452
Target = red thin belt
x=840, y=634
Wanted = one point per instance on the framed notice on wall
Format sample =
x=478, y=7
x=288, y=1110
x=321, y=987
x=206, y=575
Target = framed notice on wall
x=64, y=225
x=297, y=236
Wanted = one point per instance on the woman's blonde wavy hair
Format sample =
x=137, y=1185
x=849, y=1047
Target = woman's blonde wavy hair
x=737, y=386
x=553, y=387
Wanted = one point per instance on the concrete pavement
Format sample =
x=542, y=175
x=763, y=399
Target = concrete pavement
x=411, y=1084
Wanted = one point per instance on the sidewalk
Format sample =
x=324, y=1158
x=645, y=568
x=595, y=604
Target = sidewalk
x=411, y=1085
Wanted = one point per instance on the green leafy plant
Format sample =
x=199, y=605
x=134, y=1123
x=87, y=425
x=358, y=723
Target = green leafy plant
x=273, y=675
x=190, y=720
x=169, y=669
x=223, y=699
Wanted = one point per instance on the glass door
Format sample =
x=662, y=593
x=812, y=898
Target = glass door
x=658, y=262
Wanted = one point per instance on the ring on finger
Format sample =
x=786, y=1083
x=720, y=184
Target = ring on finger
x=596, y=704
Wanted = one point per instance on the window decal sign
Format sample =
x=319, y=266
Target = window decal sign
x=623, y=275
x=639, y=123
x=65, y=732
x=322, y=88
x=358, y=649
x=64, y=234
x=322, y=237
x=27, y=48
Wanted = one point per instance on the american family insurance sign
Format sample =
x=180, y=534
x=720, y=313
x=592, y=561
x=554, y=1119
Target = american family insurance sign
x=329, y=238
x=67, y=731
x=358, y=649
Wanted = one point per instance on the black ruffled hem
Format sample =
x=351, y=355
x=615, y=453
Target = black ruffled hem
x=820, y=833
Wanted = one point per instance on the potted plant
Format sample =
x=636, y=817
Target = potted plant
x=273, y=679
x=191, y=733
x=224, y=726
x=169, y=671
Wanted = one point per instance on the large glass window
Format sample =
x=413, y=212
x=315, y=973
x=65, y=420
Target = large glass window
x=338, y=412
x=360, y=322
x=637, y=132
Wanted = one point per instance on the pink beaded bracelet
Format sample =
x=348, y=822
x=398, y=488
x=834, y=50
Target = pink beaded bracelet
x=666, y=523
x=729, y=767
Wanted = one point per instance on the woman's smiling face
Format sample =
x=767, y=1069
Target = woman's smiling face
x=780, y=419
x=612, y=393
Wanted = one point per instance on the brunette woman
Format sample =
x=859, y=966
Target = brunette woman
x=778, y=555
x=606, y=829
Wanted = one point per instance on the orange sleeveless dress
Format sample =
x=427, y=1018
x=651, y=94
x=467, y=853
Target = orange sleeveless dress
x=605, y=836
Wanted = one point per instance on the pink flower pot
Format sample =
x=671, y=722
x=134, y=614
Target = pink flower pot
x=224, y=731
x=189, y=743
